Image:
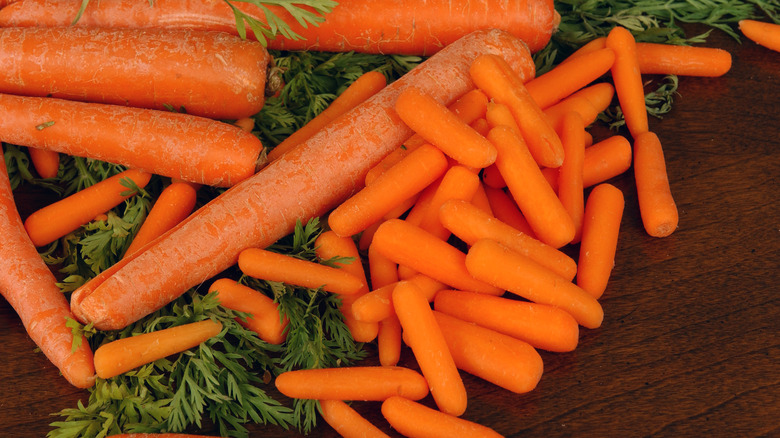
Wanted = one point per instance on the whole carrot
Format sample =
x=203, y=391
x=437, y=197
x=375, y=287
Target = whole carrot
x=568, y=77
x=600, y=229
x=763, y=33
x=570, y=184
x=347, y=421
x=414, y=419
x=628, y=79
x=46, y=163
x=656, y=202
x=353, y=383
x=506, y=210
x=265, y=318
x=457, y=183
x=671, y=59
x=606, y=159
x=588, y=102
x=389, y=341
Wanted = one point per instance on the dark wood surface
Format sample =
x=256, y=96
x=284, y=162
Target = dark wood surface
x=690, y=344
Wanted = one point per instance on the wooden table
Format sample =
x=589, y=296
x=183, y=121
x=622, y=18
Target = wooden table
x=690, y=344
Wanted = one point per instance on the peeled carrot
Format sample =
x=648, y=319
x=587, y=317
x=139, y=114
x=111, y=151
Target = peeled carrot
x=628, y=79
x=68, y=214
x=414, y=419
x=368, y=383
x=763, y=33
x=481, y=201
x=389, y=341
x=656, y=202
x=347, y=422
x=376, y=305
x=570, y=185
x=159, y=435
x=425, y=338
x=506, y=210
x=209, y=74
x=46, y=163
x=125, y=354
x=457, y=183
x=29, y=286
x=588, y=102
x=606, y=159
x=600, y=229
x=265, y=319
x=195, y=149
x=499, y=114
x=382, y=270
x=246, y=124
x=670, y=59
x=494, y=263
x=569, y=77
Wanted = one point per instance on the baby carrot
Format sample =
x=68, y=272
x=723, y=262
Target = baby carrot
x=656, y=203
x=272, y=266
x=494, y=263
x=265, y=319
x=159, y=435
x=587, y=48
x=628, y=79
x=457, y=183
x=763, y=33
x=481, y=201
x=606, y=159
x=671, y=59
x=347, y=422
x=367, y=383
x=499, y=114
x=376, y=305
x=46, y=162
x=600, y=229
x=247, y=124
x=588, y=102
x=506, y=210
x=425, y=338
x=389, y=341
x=381, y=269
x=125, y=354
x=570, y=185
x=569, y=77
x=68, y=214
x=414, y=419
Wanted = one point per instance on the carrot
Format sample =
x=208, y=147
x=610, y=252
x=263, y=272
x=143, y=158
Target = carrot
x=591, y=46
x=125, y=354
x=272, y=266
x=55, y=220
x=763, y=33
x=389, y=341
x=362, y=88
x=427, y=285
x=158, y=435
x=606, y=159
x=382, y=270
x=376, y=305
x=265, y=319
x=414, y=419
x=541, y=325
x=600, y=229
x=347, y=422
x=481, y=201
x=147, y=68
x=46, y=163
x=628, y=79
x=442, y=128
x=458, y=183
x=506, y=210
x=195, y=149
x=29, y=286
x=541, y=207
x=420, y=208
x=367, y=383
x=570, y=185
x=425, y=338
x=490, y=74
x=494, y=263
x=670, y=59
x=588, y=102
x=407, y=178
x=656, y=203
x=246, y=124
x=470, y=224
x=500, y=359
x=306, y=182
x=499, y=114
x=381, y=27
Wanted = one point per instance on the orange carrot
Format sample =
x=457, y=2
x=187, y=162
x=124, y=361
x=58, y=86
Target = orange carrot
x=569, y=77
x=628, y=79
x=48, y=224
x=414, y=419
x=246, y=124
x=591, y=46
x=763, y=33
x=499, y=114
x=29, y=286
x=424, y=337
x=570, y=185
x=347, y=422
x=422, y=204
x=546, y=215
x=382, y=270
x=600, y=229
x=46, y=163
x=500, y=359
x=146, y=68
x=389, y=341
x=490, y=74
x=670, y=59
x=159, y=435
x=265, y=319
x=364, y=241
x=125, y=354
x=368, y=383
x=588, y=102
x=481, y=201
x=541, y=325
x=427, y=285
x=656, y=203
x=361, y=89
x=306, y=182
x=376, y=305
x=494, y=263
x=606, y=159
x=176, y=145
x=458, y=183
x=506, y=210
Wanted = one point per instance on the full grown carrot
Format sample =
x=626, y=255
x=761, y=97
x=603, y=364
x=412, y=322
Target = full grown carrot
x=500, y=359
x=425, y=338
x=628, y=79
x=656, y=202
x=265, y=318
x=362, y=88
x=353, y=383
x=177, y=145
x=568, y=77
x=570, y=185
x=125, y=354
x=606, y=159
x=347, y=421
x=30, y=288
x=496, y=264
x=588, y=102
x=600, y=229
x=506, y=210
x=414, y=419
x=541, y=325
x=306, y=182
x=381, y=27
x=46, y=163
x=457, y=183
x=68, y=214
x=209, y=74
x=763, y=33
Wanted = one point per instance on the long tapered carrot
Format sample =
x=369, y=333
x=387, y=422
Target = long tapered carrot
x=265, y=318
x=506, y=210
x=570, y=185
x=606, y=159
x=569, y=77
x=425, y=338
x=46, y=163
x=498, y=265
x=600, y=229
x=125, y=354
x=367, y=383
x=347, y=422
x=763, y=33
x=378, y=27
x=68, y=214
x=656, y=202
x=628, y=79
x=208, y=74
x=457, y=183
x=361, y=89
x=414, y=419
x=543, y=326
x=588, y=102
x=306, y=182
x=30, y=288
x=500, y=359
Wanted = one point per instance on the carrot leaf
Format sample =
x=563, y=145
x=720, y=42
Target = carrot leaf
x=304, y=12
